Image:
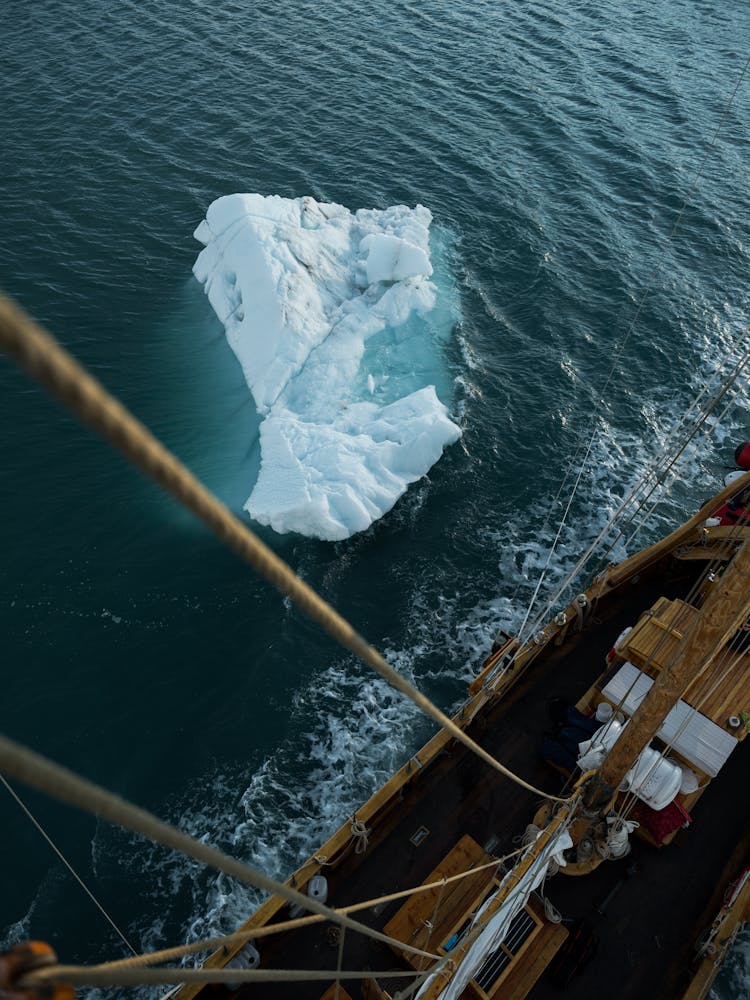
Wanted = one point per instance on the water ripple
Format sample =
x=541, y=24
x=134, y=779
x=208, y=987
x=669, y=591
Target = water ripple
x=555, y=142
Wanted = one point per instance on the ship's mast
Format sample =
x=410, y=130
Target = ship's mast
x=725, y=609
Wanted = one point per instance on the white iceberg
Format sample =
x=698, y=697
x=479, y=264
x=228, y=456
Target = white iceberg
x=301, y=287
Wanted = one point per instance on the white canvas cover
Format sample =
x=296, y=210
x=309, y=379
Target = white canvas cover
x=701, y=741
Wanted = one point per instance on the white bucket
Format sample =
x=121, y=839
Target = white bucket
x=604, y=711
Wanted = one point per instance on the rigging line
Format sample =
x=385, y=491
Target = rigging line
x=430, y=924
x=62, y=784
x=638, y=527
x=649, y=513
x=548, y=516
x=647, y=291
x=42, y=356
x=342, y=933
x=650, y=471
x=68, y=865
x=91, y=975
x=581, y=563
x=728, y=383
x=721, y=554
x=267, y=930
x=416, y=985
x=721, y=390
x=556, y=540
x=723, y=550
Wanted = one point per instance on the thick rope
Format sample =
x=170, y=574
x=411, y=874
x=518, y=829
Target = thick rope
x=340, y=960
x=57, y=371
x=361, y=836
x=70, y=868
x=62, y=784
x=85, y=975
x=429, y=925
x=706, y=432
x=267, y=930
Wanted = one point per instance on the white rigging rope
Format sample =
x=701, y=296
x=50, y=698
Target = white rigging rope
x=671, y=453
x=68, y=865
x=621, y=347
x=725, y=413
x=653, y=470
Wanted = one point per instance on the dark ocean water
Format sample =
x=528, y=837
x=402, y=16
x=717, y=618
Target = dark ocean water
x=555, y=144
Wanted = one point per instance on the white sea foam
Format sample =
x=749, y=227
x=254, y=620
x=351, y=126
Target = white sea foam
x=734, y=978
x=275, y=816
x=301, y=287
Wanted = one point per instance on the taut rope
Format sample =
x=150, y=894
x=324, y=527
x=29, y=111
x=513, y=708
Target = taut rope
x=62, y=784
x=52, y=366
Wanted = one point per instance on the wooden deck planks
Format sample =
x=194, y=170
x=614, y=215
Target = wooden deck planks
x=722, y=691
x=427, y=919
x=460, y=794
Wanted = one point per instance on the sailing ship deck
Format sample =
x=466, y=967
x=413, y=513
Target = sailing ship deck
x=651, y=918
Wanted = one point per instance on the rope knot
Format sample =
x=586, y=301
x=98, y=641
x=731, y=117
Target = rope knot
x=361, y=836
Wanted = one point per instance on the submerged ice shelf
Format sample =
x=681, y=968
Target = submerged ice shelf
x=301, y=288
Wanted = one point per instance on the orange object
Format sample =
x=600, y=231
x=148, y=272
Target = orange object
x=22, y=959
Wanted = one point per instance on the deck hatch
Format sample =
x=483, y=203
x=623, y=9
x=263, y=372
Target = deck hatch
x=419, y=836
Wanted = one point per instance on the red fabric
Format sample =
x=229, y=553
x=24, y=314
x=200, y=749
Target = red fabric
x=742, y=456
x=731, y=515
x=660, y=824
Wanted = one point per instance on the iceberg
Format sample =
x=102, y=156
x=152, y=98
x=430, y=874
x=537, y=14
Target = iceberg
x=304, y=290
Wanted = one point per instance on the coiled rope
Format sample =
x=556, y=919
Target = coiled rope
x=43, y=357
x=361, y=836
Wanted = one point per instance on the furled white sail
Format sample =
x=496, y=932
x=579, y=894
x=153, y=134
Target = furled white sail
x=498, y=924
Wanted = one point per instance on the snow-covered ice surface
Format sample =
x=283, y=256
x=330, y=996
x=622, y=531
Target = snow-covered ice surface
x=301, y=287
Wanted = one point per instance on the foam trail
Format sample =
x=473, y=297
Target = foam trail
x=301, y=287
